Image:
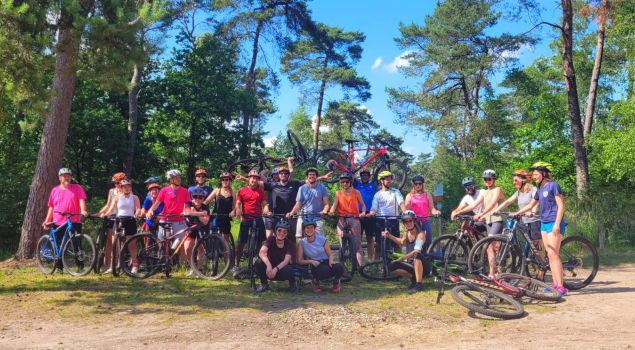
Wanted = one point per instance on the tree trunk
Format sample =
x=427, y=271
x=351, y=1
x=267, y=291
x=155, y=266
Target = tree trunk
x=318, y=118
x=595, y=75
x=133, y=116
x=250, y=86
x=573, y=104
x=51, y=153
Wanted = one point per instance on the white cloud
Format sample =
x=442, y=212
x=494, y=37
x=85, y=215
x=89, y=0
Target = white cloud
x=399, y=61
x=524, y=48
x=377, y=63
x=269, y=141
x=323, y=128
x=363, y=107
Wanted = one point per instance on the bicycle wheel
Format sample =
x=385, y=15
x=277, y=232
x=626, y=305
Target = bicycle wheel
x=347, y=259
x=211, y=258
x=45, y=255
x=115, y=255
x=531, y=287
x=448, y=247
x=149, y=255
x=244, y=166
x=397, y=168
x=507, y=258
x=251, y=257
x=580, y=262
x=488, y=302
x=298, y=150
x=335, y=160
x=78, y=255
x=100, y=251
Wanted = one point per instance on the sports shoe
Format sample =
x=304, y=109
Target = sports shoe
x=262, y=288
x=236, y=271
x=413, y=283
x=190, y=273
x=336, y=286
x=293, y=287
x=107, y=271
x=135, y=270
x=316, y=286
x=418, y=287
x=561, y=290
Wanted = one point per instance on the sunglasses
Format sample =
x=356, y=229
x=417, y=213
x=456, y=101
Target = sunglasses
x=469, y=186
x=199, y=197
x=226, y=179
x=117, y=183
x=407, y=221
x=418, y=183
x=487, y=179
x=201, y=175
x=364, y=174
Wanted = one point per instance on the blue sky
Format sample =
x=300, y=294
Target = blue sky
x=379, y=21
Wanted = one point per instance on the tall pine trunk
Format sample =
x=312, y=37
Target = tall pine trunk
x=595, y=74
x=573, y=104
x=250, y=86
x=133, y=116
x=51, y=153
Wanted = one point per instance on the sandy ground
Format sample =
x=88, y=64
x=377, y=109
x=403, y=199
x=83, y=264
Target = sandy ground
x=602, y=316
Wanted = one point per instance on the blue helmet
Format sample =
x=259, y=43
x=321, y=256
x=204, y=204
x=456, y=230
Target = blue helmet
x=308, y=222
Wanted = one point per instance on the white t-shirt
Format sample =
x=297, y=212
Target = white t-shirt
x=386, y=203
x=469, y=200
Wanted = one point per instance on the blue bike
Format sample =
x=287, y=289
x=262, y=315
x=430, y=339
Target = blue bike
x=75, y=253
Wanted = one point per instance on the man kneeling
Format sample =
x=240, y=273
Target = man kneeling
x=275, y=256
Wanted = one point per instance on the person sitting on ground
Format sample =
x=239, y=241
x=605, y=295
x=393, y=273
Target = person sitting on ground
x=275, y=257
x=315, y=251
x=410, y=264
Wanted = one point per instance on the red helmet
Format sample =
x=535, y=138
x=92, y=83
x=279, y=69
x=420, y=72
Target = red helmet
x=117, y=177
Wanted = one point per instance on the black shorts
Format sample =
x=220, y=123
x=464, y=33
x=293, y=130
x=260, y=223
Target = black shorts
x=368, y=226
x=243, y=233
x=129, y=226
x=392, y=225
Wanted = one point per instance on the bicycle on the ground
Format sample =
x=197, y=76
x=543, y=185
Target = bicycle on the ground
x=579, y=257
x=75, y=253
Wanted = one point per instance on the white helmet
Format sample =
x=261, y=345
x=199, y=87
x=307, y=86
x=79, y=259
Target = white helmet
x=489, y=173
x=172, y=173
x=63, y=171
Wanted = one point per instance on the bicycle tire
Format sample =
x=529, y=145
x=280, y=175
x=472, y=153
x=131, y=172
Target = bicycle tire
x=457, y=255
x=578, y=256
x=115, y=255
x=251, y=256
x=509, y=308
x=531, y=287
x=397, y=168
x=512, y=262
x=100, y=251
x=335, y=160
x=78, y=255
x=244, y=166
x=299, y=152
x=149, y=256
x=214, y=259
x=347, y=260
x=375, y=271
x=45, y=255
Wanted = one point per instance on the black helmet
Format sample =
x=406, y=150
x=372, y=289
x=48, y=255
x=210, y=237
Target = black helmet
x=417, y=178
x=282, y=224
x=347, y=176
x=314, y=170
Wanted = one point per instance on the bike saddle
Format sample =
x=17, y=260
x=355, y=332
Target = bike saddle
x=351, y=141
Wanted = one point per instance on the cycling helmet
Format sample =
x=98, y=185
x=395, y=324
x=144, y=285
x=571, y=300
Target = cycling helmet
x=309, y=170
x=253, y=173
x=408, y=215
x=364, y=171
x=346, y=176
x=522, y=173
x=383, y=174
x=282, y=224
x=283, y=169
x=153, y=185
x=274, y=171
x=152, y=179
x=63, y=171
x=489, y=173
x=125, y=182
x=117, y=177
x=200, y=172
x=468, y=180
x=172, y=173
x=417, y=178
x=308, y=222
x=226, y=175
x=198, y=192
x=540, y=165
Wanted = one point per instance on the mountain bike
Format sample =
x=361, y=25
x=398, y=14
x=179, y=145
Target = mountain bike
x=579, y=257
x=75, y=253
x=457, y=244
x=100, y=244
x=488, y=297
x=347, y=251
x=153, y=254
x=251, y=253
x=119, y=240
x=211, y=256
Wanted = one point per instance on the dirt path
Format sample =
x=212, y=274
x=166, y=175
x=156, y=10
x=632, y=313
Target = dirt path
x=601, y=316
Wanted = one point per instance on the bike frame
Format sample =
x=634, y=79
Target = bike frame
x=351, y=153
x=53, y=237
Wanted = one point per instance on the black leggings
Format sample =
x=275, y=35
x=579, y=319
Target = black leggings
x=324, y=271
x=284, y=274
x=400, y=265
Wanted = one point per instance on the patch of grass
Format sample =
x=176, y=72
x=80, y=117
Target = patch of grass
x=617, y=255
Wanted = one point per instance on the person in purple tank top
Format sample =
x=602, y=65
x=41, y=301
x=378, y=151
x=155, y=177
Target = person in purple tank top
x=422, y=204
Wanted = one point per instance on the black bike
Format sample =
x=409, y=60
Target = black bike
x=211, y=256
x=380, y=270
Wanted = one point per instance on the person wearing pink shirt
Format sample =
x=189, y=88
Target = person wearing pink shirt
x=65, y=198
x=174, y=196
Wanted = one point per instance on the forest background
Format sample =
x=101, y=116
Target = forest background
x=141, y=86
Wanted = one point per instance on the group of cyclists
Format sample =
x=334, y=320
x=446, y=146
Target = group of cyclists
x=289, y=216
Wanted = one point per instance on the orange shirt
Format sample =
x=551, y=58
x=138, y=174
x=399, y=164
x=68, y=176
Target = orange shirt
x=347, y=204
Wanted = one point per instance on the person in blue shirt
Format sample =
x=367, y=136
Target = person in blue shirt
x=201, y=182
x=153, y=192
x=367, y=187
x=313, y=199
x=552, y=224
